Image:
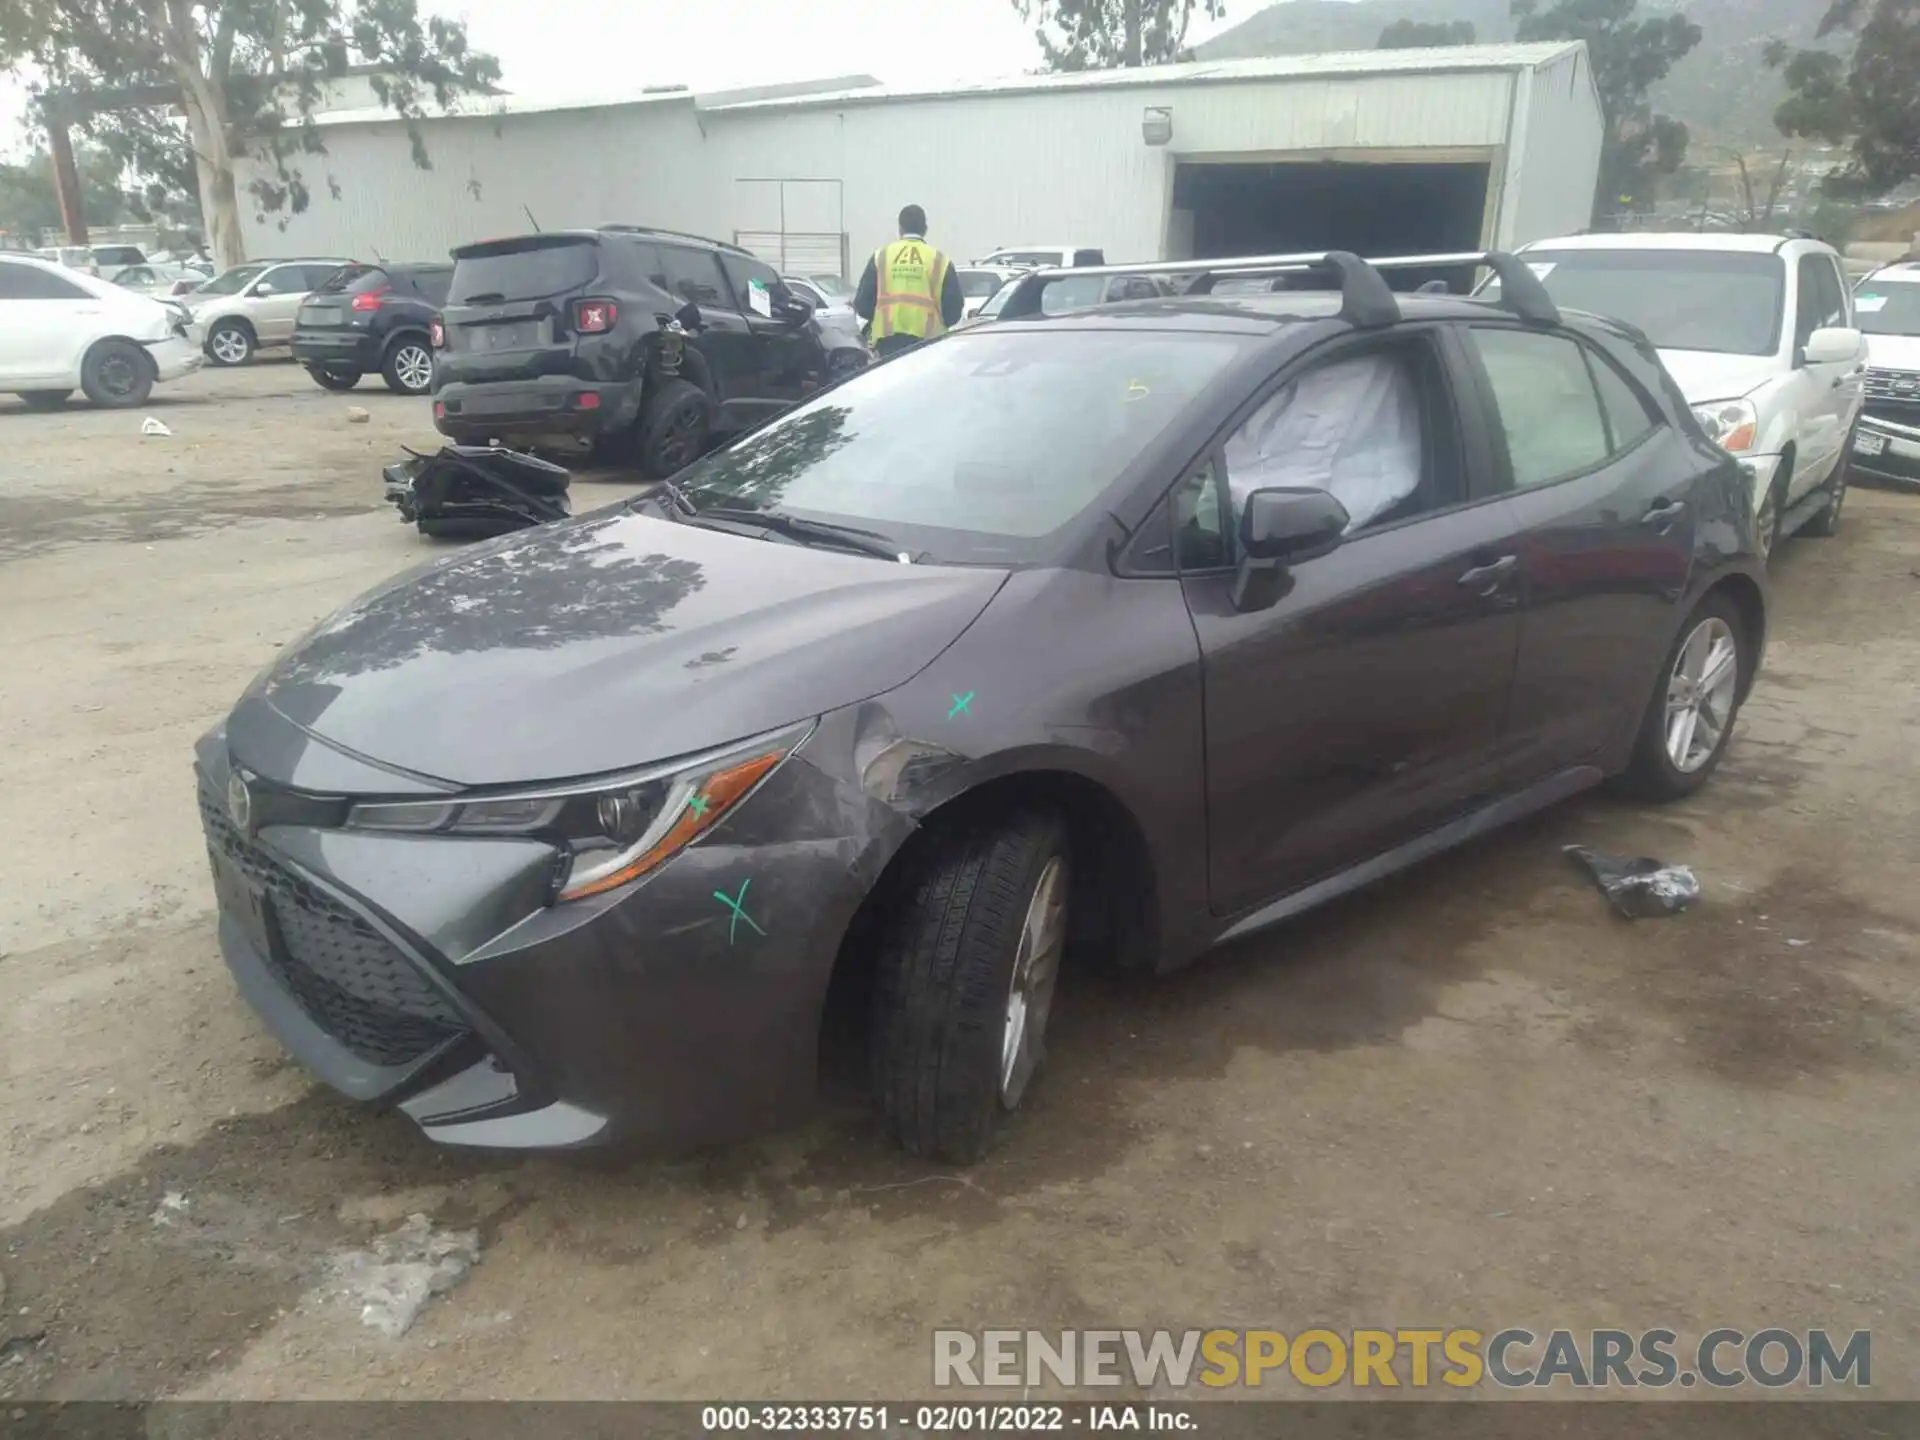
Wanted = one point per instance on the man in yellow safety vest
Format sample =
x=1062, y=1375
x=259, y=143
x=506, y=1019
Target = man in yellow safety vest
x=909, y=292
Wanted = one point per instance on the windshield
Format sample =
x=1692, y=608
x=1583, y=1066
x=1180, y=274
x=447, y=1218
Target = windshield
x=976, y=284
x=522, y=270
x=233, y=281
x=356, y=279
x=1888, y=309
x=1727, y=302
x=1035, y=259
x=831, y=285
x=1079, y=292
x=973, y=448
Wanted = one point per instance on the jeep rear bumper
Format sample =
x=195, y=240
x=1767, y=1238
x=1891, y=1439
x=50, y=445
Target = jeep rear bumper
x=551, y=406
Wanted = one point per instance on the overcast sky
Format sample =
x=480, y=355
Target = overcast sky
x=556, y=46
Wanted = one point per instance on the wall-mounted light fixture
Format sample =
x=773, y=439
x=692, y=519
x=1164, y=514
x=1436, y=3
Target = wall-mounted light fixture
x=1156, y=124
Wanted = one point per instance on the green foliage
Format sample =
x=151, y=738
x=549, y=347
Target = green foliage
x=1426, y=34
x=1630, y=56
x=1110, y=34
x=1868, y=102
x=28, y=202
x=250, y=73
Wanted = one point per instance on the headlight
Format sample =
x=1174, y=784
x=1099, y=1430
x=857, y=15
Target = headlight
x=1733, y=425
x=615, y=830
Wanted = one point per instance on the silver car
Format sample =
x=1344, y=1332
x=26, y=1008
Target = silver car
x=251, y=306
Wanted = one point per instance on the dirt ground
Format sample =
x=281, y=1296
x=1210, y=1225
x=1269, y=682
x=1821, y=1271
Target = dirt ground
x=1470, y=1097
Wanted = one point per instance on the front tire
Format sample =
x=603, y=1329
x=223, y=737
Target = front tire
x=230, y=342
x=1773, y=509
x=335, y=379
x=1690, y=716
x=1827, y=523
x=116, y=374
x=969, y=958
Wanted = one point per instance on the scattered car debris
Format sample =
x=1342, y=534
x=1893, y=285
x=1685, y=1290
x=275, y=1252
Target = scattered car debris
x=171, y=1204
x=471, y=492
x=1640, y=889
x=151, y=426
x=395, y=1279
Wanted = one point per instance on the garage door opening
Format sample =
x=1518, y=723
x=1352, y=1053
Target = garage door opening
x=1370, y=209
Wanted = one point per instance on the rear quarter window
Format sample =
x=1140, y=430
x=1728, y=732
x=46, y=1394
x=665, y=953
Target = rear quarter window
x=523, y=270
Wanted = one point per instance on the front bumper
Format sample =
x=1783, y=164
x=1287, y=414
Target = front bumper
x=431, y=973
x=343, y=351
x=1887, y=451
x=175, y=356
x=532, y=409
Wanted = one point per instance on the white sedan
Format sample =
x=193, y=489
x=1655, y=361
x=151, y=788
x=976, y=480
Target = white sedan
x=62, y=330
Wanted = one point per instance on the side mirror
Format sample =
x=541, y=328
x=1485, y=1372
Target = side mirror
x=688, y=315
x=1280, y=528
x=261, y=291
x=796, y=308
x=1835, y=345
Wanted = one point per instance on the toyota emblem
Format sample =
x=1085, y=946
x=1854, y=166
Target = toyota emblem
x=239, y=803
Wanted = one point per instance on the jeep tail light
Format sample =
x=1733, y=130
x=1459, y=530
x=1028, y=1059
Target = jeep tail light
x=594, y=317
x=370, y=299
x=437, y=334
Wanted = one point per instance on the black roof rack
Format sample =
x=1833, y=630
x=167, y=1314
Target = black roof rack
x=677, y=235
x=1367, y=301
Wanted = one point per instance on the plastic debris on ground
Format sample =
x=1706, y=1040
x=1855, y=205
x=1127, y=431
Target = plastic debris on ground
x=1640, y=889
x=394, y=1281
x=151, y=426
x=472, y=492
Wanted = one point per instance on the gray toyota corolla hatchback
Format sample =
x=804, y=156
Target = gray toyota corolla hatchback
x=1126, y=631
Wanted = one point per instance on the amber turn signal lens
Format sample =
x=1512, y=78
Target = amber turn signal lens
x=701, y=810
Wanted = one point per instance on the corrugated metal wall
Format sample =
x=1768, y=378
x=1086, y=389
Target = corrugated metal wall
x=1052, y=166
x=1558, y=130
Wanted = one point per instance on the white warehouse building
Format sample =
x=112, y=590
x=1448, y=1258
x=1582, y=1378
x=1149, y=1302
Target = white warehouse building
x=1377, y=152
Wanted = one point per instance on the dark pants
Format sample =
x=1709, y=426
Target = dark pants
x=889, y=346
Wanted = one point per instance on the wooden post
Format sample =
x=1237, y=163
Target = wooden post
x=66, y=178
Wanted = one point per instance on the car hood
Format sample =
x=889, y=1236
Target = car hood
x=1705, y=375
x=602, y=643
x=1894, y=352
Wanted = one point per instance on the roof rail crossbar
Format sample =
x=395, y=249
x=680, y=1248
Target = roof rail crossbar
x=1520, y=289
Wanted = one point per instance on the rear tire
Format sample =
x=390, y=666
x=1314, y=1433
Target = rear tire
x=333, y=379
x=116, y=374
x=674, y=427
x=979, y=923
x=44, y=399
x=1655, y=773
x=231, y=342
x=408, y=367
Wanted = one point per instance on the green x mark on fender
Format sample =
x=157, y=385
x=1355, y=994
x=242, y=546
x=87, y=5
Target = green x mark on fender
x=737, y=906
x=698, y=805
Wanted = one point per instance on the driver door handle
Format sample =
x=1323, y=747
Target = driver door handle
x=1661, y=514
x=1489, y=578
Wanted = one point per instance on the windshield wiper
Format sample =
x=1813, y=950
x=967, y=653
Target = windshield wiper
x=847, y=537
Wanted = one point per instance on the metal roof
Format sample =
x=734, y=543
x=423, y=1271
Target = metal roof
x=864, y=89
x=1453, y=59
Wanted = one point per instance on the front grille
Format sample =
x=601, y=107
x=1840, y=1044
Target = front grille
x=352, y=982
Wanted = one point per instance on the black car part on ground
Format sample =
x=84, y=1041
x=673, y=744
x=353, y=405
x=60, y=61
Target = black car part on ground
x=373, y=319
x=632, y=342
x=468, y=492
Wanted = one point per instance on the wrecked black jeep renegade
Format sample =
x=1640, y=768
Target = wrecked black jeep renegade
x=639, y=345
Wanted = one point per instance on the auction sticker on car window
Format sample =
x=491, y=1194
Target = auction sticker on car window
x=758, y=300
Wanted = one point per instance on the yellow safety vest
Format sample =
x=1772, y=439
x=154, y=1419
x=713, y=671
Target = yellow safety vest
x=909, y=278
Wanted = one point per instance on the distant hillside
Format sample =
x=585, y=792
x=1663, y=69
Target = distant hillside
x=1722, y=91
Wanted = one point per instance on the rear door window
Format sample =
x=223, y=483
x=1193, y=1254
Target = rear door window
x=523, y=270
x=694, y=275
x=353, y=280
x=1548, y=407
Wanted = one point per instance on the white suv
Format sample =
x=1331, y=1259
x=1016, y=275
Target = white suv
x=254, y=305
x=1887, y=446
x=1759, y=332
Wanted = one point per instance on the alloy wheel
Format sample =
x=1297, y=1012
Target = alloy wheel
x=1700, y=694
x=1036, y=968
x=229, y=346
x=414, y=368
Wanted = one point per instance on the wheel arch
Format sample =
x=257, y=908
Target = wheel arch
x=1748, y=598
x=235, y=319
x=1114, y=901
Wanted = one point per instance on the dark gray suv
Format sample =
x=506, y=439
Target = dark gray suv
x=1127, y=631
